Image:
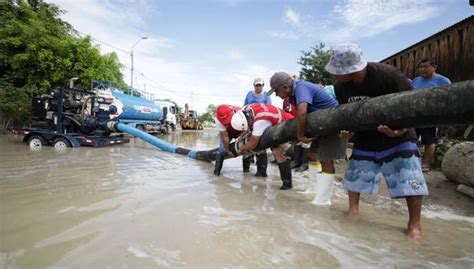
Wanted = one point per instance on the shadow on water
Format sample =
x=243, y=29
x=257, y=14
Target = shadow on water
x=133, y=206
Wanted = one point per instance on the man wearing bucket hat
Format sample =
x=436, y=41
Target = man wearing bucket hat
x=222, y=119
x=309, y=97
x=392, y=154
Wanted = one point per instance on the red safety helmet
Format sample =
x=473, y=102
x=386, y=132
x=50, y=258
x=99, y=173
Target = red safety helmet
x=224, y=113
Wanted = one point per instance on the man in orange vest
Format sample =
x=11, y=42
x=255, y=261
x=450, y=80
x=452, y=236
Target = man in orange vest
x=222, y=119
x=255, y=119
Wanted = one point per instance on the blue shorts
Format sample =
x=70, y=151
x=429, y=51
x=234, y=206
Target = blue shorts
x=399, y=165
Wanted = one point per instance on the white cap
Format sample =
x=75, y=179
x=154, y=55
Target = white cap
x=258, y=81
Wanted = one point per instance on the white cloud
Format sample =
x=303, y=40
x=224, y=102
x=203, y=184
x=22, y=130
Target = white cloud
x=292, y=17
x=212, y=79
x=235, y=55
x=353, y=19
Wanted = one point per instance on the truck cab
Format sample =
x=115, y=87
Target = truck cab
x=169, y=116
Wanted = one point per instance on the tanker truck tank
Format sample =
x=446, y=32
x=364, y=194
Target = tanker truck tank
x=134, y=111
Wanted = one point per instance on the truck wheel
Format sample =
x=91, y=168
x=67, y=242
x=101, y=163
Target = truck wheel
x=60, y=144
x=36, y=142
x=140, y=127
x=166, y=130
x=173, y=128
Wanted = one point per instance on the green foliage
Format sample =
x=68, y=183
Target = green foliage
x=442, y=147
x=313, y=63
x=39, y=51
x=208, y=116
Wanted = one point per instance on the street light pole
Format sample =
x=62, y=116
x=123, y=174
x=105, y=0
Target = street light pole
x=144, y=81
x=131, y=57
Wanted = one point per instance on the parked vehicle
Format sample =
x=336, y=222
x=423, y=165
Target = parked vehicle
x=190, y=121
x=169, y=115
x=133, y=108
x=70, y=118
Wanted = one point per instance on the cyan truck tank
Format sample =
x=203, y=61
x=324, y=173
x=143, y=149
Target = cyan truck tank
x=137, y=112
x=136, y=108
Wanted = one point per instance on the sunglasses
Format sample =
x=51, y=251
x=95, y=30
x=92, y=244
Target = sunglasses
x=258, y=85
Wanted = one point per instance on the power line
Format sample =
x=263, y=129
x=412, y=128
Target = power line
x=105, y=43
x=158, y=85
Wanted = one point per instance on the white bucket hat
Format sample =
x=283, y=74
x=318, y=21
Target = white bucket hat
x=346, y=58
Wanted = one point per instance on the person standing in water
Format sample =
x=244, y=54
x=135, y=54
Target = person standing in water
x=257, y=96
x=255, y=119
x=382, y=152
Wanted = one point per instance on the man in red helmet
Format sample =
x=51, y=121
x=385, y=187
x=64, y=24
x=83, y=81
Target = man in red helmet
x=223, y=117
x=255, y=119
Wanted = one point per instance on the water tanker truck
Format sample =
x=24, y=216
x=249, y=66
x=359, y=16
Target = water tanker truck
x=134, y=111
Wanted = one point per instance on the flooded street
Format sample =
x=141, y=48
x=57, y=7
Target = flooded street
x=134, y=206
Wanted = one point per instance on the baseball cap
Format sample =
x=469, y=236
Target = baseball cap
x=346, y=58
x=278, y=79
x=224, y=113
x=258, y=81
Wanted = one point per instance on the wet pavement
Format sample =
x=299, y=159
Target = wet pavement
x=133, y=206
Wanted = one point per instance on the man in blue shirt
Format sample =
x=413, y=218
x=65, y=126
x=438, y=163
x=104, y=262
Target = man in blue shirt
x=253, y=97
x=428, y=79
x=309, y=97
x=257, y=95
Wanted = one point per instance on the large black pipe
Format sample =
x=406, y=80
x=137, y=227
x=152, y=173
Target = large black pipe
x=442, y=106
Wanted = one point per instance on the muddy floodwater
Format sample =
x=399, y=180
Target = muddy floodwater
x=134, y=206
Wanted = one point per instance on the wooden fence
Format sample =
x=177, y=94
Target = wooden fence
x=452, y=49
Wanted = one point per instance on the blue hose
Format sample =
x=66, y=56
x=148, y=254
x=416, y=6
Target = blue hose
x=165, y=146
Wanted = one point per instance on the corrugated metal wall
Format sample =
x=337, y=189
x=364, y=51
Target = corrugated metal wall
x=452, y=48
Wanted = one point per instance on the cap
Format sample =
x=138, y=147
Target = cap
x=224, y=113
x=258, y=81
x=346, y=58
x=278, y=79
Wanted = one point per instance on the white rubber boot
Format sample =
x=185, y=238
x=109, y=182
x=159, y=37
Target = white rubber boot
x=314, y=169
x=324, y=187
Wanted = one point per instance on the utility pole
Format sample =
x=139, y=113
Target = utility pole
x=144, y=82
x=131, y=57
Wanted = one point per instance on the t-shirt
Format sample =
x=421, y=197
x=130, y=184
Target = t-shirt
x=260, y=126
x=219, y=126
x=380, y=79
x=330, y=90
x=436, y=81
x=307, y=92
x=263, y=98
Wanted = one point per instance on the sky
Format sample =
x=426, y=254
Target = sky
x=205, y=52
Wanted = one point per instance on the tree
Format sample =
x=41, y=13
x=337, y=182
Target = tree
x=208, y=116
x=313, y=63
x=39, y=51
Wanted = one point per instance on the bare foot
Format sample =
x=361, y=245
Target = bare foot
x=351, y=214
x=414, y=233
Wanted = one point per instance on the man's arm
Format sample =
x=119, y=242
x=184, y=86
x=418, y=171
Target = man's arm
x=301, y=122
x=226, y=142
x=258, y=128
x=251, y=144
